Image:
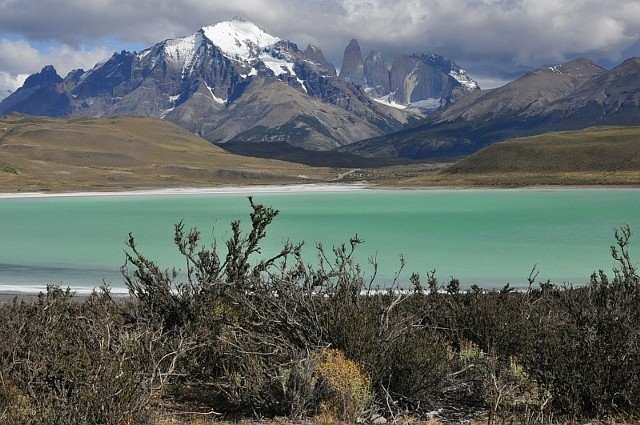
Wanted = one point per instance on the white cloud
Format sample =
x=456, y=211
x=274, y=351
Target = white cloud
x=16, y=56
x=19, y=59
x=10, y=83
x=496, y=38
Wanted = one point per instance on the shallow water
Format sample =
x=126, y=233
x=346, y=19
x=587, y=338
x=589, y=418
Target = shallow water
x=486, y=237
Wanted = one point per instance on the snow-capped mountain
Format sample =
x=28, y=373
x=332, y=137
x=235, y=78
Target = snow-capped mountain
x=228, y=81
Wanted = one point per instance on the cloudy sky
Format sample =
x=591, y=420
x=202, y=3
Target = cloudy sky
x=494, y=40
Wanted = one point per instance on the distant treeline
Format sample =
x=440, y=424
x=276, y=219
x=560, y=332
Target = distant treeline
x=243, y=337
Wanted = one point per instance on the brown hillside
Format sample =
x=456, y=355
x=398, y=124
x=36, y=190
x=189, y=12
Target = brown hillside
x=125, y=152
x=594, y=156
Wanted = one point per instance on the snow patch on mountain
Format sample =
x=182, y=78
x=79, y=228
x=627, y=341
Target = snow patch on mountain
x=276, y=65
x=182, y=51
x=238, y=39
x=281, y=67
x=386, y=100
x=216, y=99
x=245, y=42
x=431, y=104
x=461, y=76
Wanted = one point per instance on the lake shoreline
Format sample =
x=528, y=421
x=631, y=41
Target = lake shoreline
x=212, y=190
x=382, y=199
x=297, y=188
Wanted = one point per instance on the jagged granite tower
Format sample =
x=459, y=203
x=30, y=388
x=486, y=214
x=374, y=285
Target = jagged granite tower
x=376, y=72
x=352, y=63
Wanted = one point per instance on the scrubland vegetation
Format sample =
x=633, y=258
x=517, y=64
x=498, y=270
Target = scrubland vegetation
x=235, y=336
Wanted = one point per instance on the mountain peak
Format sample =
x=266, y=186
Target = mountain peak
x=239, y=39
x=47, y=75
x=632, y=63
x=352, y=63
x=314, y=53
x=579, y=66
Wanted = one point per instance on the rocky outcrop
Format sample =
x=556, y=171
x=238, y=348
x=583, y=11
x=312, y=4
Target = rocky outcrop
x=376, y=72
x=39, y=95
x=47, y=75
x=419, y=78
x=424, y=81
x=352, y=63
x=314, y=54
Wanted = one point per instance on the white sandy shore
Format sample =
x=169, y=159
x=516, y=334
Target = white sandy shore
x=8, y=292
x=17, y=289
x=292, y=188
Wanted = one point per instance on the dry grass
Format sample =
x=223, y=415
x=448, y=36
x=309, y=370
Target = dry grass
x=121, y=153
x=44, y=154
x=602, y=155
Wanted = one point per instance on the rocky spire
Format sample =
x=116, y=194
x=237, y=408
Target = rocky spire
x=314, y=53
x=376, y=72
x=352, y=64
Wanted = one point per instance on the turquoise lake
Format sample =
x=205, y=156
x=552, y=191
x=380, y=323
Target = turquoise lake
x=484, y=237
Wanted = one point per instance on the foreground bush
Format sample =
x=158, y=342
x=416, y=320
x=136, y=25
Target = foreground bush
x=585, y=345
x=68, y=362
x=247, y=336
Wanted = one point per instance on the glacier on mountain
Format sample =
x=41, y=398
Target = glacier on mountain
x=239, y=40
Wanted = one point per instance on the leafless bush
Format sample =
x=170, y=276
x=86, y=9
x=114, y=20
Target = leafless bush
x=68, y=361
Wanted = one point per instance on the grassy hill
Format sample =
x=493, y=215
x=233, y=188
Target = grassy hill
x=594, y=156
x=40, y=154
x=600, y=149
x=77, y=154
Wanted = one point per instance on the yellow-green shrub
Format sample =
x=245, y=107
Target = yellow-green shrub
x=349, y=388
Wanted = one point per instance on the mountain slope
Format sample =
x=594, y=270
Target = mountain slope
x=611, y=98
x=575, y=95
x=595, y=149
x=203, y=82
x=290, y=117
x=526, y=96
x=78, y=153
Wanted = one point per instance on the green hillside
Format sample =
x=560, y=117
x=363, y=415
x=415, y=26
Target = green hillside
x=594, y=156
x=600, y=149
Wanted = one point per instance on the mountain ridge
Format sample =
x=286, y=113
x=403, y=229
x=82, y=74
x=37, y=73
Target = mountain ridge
x=200, y=82
x=571, y=96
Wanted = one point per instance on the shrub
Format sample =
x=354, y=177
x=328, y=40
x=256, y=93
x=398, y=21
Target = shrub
x=584, y=342
x=348, y=387
x=72, y=362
